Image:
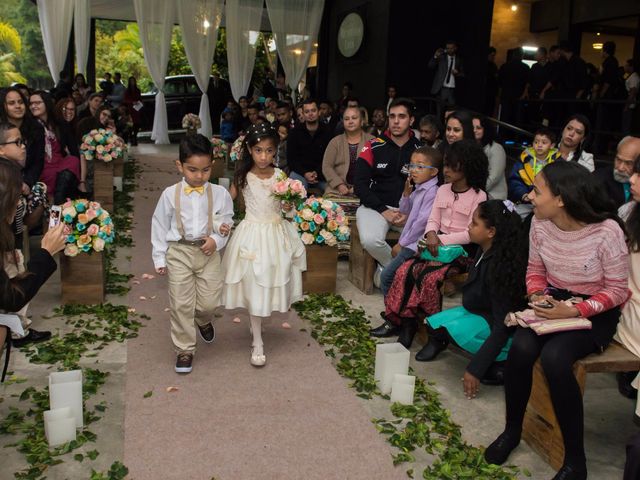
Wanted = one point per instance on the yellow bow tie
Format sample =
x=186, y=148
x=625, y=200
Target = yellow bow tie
x=188, y=190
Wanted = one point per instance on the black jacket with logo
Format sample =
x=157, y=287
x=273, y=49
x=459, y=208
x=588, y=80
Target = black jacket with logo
x=378, y=180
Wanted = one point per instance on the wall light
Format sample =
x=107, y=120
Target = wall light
x=597, y=46
x=529, y=48
x=297, y=51
x=598, y=34
x=514, y=7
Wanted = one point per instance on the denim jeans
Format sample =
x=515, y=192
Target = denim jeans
x=386, y=277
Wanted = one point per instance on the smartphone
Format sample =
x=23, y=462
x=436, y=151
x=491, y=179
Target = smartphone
x=543, y=304
x=54, y=216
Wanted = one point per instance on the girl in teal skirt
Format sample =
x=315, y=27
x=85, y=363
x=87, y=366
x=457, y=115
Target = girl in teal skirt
x=495, y=287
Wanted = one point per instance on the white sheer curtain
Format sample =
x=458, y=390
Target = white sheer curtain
x=243, y=18
x=295, y=25
x=81, y=32
x=199, y=21
x=55, y=18
x=155, y=21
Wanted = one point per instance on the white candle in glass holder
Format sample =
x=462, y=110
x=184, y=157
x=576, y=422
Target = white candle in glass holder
x=59, y=426
x=65, y=390
x=391, y=358
x=402, y=389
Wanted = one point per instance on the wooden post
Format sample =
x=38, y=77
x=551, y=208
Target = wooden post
x=103, y=184
x=322, y=269
x=82, y=278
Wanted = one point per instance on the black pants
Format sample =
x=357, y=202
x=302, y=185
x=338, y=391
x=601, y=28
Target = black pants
x=632, y=465
x=557, y=352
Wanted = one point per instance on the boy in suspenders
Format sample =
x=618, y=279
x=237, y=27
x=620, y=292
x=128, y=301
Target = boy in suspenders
x=190, y=225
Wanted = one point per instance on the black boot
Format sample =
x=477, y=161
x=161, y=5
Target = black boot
x=498, y=452
x=568, y=472
x=387, y=329
x=494, y=375
x=66, y=187
x=408, y=330
x=438, y=341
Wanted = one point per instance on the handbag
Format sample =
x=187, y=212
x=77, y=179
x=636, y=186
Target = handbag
x=446, y=254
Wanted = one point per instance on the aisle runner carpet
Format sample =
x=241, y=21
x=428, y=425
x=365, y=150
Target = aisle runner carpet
x=294, y=419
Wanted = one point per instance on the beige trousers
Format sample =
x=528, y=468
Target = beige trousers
x=195, y=289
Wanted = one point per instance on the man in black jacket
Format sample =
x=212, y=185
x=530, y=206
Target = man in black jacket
x=616, y=180
x=379, y=180
x=305, y=147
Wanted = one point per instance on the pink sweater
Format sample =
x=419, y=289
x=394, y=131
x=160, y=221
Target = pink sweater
x=591, y=261
x=451, y=214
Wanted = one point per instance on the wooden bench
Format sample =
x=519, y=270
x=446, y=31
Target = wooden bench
x=540, y=429
x=362, y=265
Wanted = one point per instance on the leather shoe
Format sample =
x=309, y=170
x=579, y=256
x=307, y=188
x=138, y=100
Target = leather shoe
x=407, y=332
x=498, y=452
x=431, y=350
x=32, y=337
x=387, y=329
x=624, y=384
x=494, y=375
x=567, y=472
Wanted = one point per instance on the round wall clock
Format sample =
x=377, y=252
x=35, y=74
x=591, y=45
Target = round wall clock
x=350, y=34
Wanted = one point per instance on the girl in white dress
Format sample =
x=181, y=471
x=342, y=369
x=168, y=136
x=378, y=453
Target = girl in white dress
x=265, y=257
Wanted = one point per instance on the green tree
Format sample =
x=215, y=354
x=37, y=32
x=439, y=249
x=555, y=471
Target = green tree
x=10, y=46
x=31, y=62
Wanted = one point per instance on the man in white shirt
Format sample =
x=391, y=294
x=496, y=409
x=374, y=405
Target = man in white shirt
x=190, y=225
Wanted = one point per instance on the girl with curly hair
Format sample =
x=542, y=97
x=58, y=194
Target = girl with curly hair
x=415, y=291
x=495, y=287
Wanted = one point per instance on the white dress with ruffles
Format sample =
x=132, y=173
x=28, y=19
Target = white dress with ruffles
x=265, y=258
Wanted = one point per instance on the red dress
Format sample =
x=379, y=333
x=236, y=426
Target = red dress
x=55, y=161
x=130, y=98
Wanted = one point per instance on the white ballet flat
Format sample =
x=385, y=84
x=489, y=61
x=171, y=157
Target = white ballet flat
x=257, y=360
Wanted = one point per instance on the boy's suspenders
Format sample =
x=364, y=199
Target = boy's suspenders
x=209, y=210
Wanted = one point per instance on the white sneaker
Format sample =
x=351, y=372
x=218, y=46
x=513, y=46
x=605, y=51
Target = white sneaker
x=376, y=275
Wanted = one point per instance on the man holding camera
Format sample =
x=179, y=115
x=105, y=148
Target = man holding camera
x=449, y=70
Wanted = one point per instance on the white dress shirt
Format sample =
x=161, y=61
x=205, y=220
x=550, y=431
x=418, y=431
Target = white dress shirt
x=193, y=212
x=450, y=64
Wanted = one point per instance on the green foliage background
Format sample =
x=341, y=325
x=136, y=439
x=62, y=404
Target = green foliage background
x=118, y=48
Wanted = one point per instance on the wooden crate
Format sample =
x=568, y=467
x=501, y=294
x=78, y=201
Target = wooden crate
x=322, y=269
x=362, y=265
x=219, y=166
x=82, y=278
x=540, y=428
x=118, y=167
x=103, y=184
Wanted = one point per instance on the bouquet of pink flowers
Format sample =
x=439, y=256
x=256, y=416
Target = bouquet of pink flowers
x=87, y=225
x=236, y=149
x=102, y=144
x=219, y=148
x=288, y=190
x=191, y=121
x=321, y=221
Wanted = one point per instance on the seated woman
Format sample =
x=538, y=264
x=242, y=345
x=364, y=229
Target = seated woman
x=485, y=135
x=415, y=291
x=14, y=111
x=458, y=126
x=338, y=163
x=574, y=136
x=102, y=119
x=494, y=288
x=62, y=172
x=576, y=249
x=16, y=292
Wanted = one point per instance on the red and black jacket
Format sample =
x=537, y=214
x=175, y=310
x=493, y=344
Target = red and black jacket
x=378, y=180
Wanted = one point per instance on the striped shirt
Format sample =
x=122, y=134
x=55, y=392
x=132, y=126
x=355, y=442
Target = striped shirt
x=591, y=261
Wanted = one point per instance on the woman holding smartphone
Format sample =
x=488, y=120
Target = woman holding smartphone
x=577, y=249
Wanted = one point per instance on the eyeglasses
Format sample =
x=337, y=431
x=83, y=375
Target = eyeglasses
x=417, y=166
x=65, y=109
x=20, y=142
x=36, y=102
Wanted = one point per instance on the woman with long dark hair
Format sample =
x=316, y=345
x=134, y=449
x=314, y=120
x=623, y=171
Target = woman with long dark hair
x=575, y=135
x=484, y=134
x=17, y=291
x=577, y=250
x=458, y=126
x=14, y=110
x=495, y=287
x=63, y=172
x=131, y=98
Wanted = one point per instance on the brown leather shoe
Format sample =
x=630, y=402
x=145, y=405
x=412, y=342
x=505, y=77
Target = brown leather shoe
x=183, y=362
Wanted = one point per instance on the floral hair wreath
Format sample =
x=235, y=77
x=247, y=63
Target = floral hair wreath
x=261, y=130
